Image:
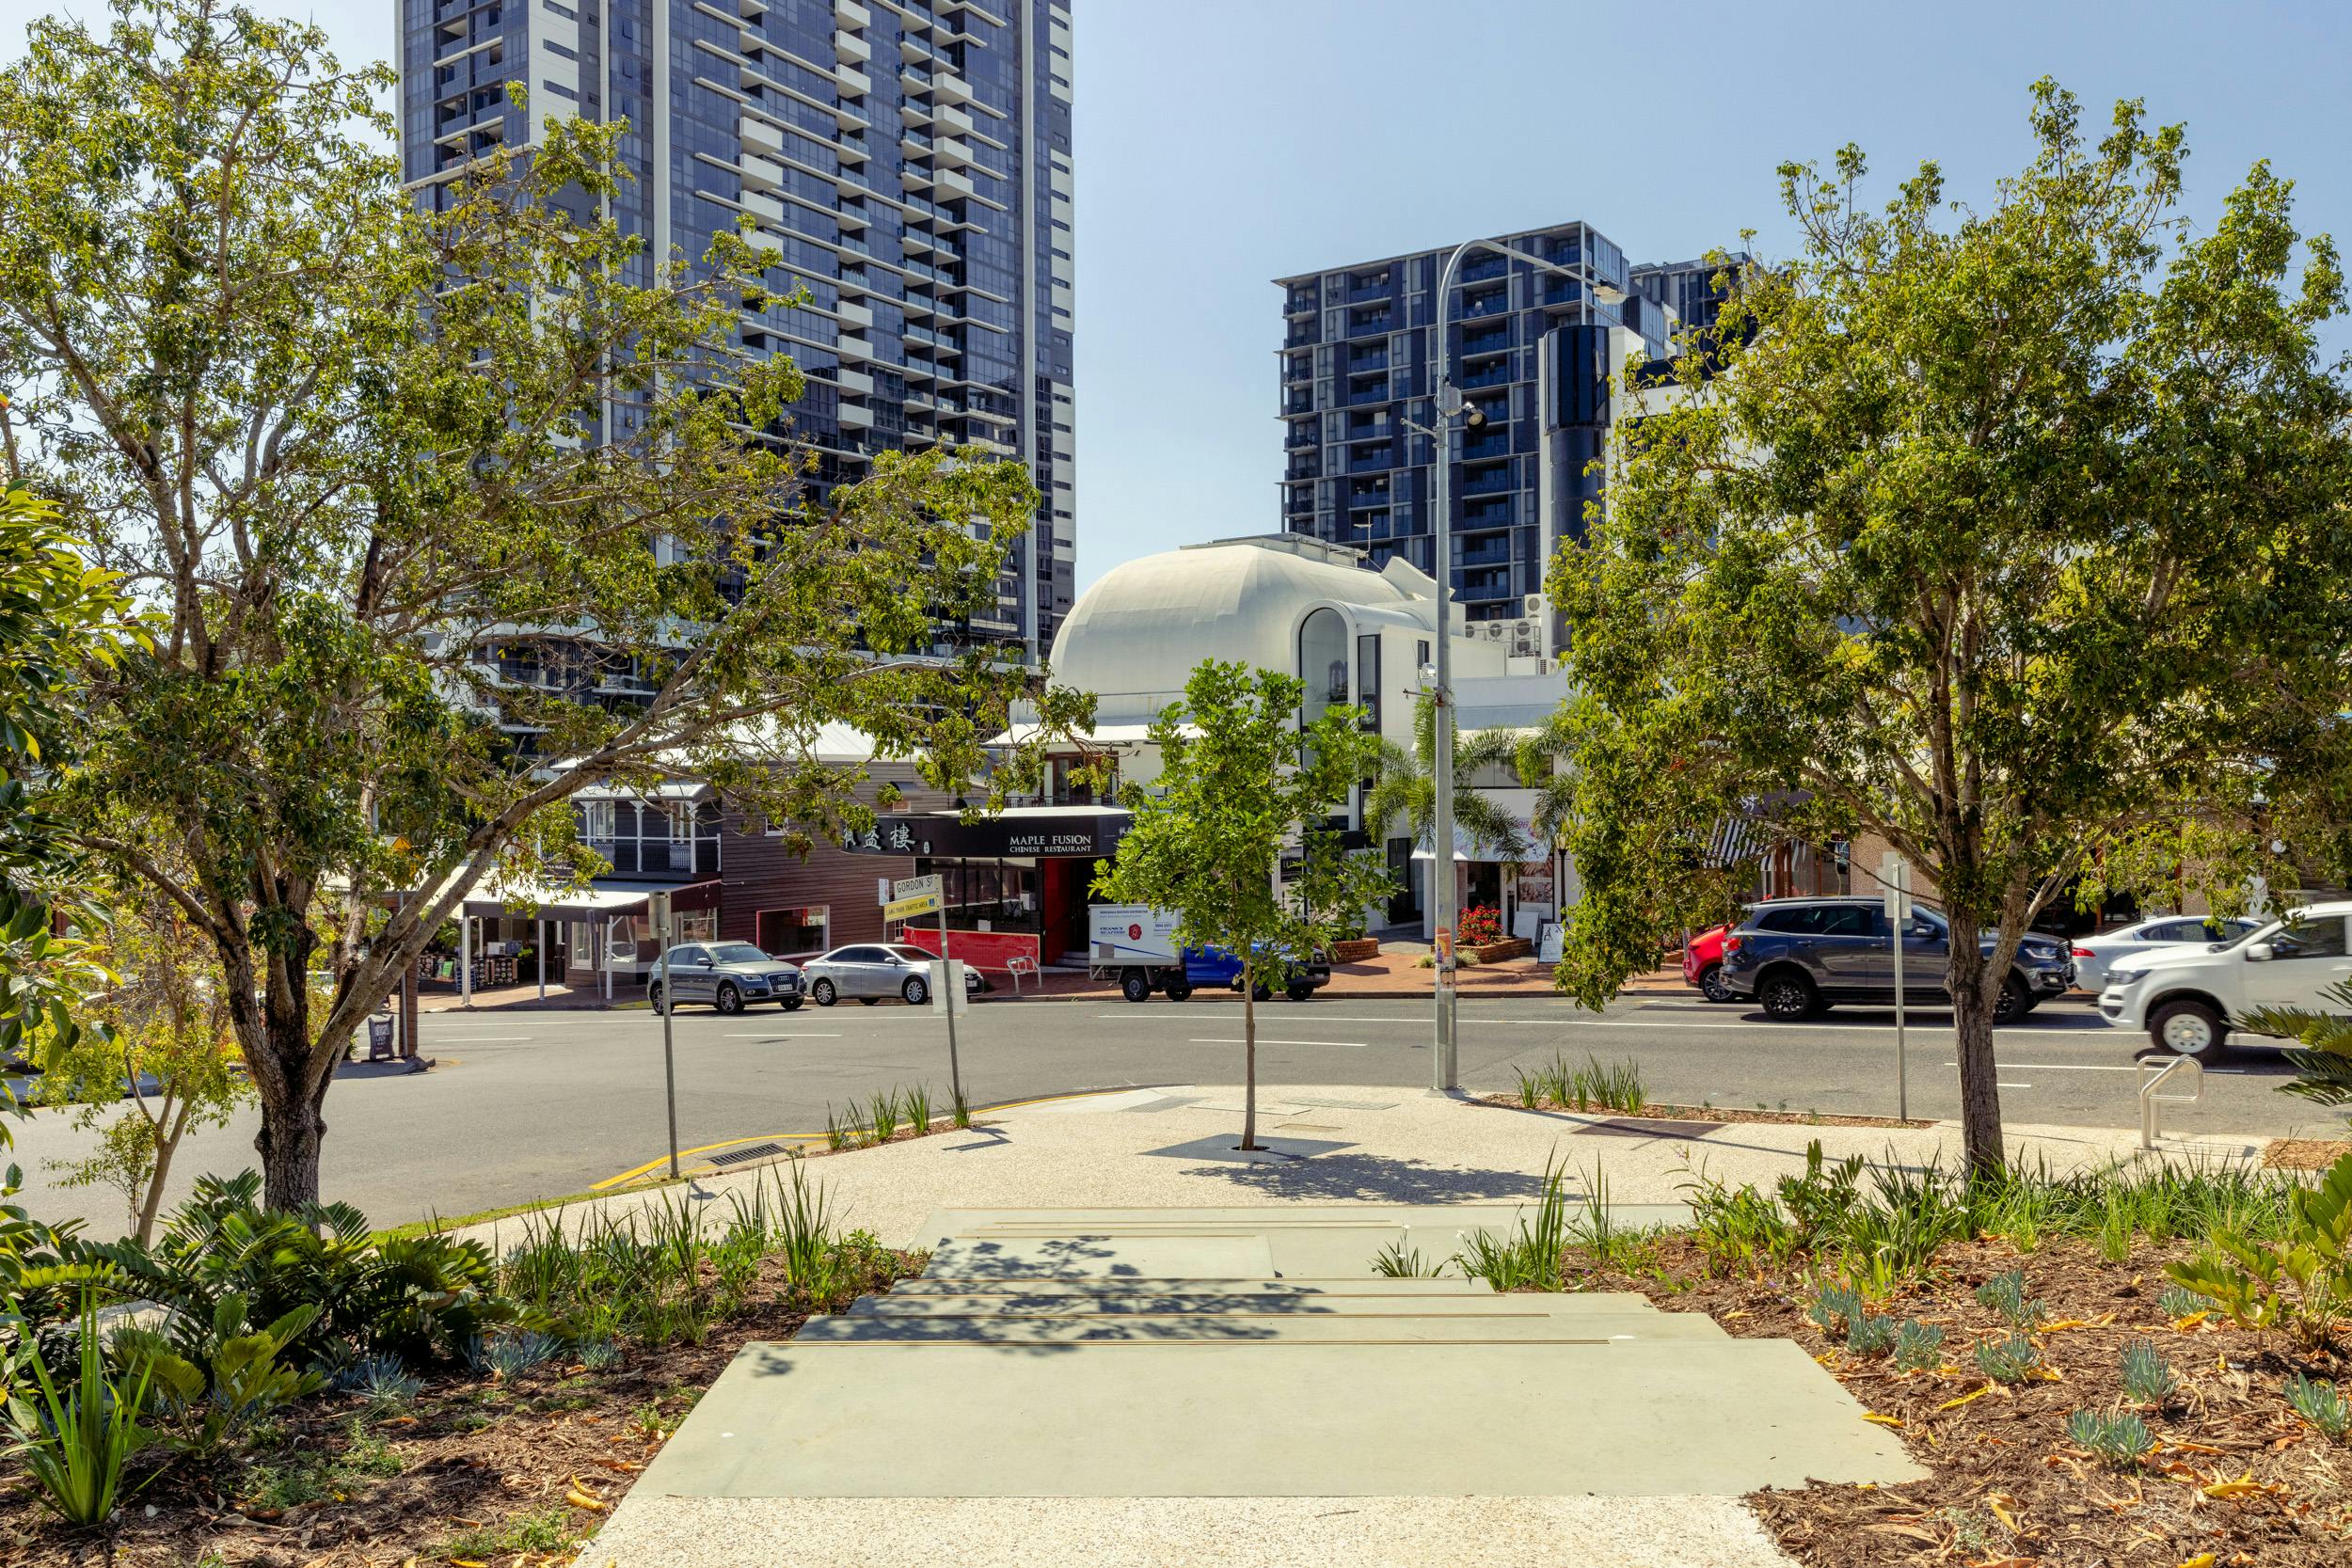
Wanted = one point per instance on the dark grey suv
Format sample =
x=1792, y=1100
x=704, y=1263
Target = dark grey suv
x=1797, y=956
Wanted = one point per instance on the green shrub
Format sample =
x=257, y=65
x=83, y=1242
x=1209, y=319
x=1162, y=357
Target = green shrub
x=1396, y=1261
x=2300, y=1282
x=2177, y=1303
x=2006, y=1294
x=1918, y=1347
x=511, y=1353
x=221, y=1379
x=2320, y=1403
x=1834, y=1308
x=385, y=1383
x=1870, y=1335
x=1611, y=1086
x=420, y=1298
x=2146, y=1378
x=76, y=1442
x=2013, y=1360
x=2120, y=1439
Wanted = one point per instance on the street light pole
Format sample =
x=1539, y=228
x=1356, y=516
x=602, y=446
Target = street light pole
x=1446, y=406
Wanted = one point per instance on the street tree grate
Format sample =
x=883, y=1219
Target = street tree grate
x=756, y=1151
x=1648, y=1127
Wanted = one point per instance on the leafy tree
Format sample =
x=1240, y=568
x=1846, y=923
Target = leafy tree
x=167, y=1033
x=1405, y=785
x=1241, y=784
x=446, y=511
x=2321, y=1053
x=2013, y=535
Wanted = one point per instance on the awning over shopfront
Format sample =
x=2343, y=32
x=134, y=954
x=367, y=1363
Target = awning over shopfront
x=1091, y=831
x=530, y=899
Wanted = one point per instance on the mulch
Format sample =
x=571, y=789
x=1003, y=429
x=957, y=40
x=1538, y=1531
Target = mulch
x=1653, y=1112
x=2305, y=1153
x=478, y=1456
x=2235, y=1478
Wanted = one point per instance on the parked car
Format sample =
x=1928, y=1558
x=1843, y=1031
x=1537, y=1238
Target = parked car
x=730, y=976
x=1135, y=946
x=1797, y=956
x=2189, y=999
x=1703, y=963
x=2094, y=955
x=869, y=970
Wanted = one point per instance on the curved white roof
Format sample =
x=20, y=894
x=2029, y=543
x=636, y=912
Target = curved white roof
x=1144, y=627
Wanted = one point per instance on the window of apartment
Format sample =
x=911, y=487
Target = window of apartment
x=561, y=91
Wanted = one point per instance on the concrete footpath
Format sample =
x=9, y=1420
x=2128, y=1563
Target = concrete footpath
x=1135, y=1345
x=1173, y=1146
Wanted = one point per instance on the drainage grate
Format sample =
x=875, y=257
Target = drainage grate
x=756, y=1151
x=1649, y=1127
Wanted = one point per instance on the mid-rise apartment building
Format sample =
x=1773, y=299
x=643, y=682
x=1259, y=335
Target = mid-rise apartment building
x=910, y=159
x=1534, y=350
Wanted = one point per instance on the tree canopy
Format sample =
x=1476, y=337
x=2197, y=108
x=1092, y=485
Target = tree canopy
x=446, y=509
x=2013, y=534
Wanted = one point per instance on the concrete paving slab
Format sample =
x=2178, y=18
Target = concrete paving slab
x=1586, y=1328
x=1518, y=1303
x=649, y=1531
x=1353, y=1286
x=1162, y=1256
x=1259, y=1420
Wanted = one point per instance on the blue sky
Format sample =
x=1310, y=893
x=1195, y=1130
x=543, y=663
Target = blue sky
x=1221, y=143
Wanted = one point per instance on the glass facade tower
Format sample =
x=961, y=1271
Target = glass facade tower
x=910, y=161
x=1533, y=351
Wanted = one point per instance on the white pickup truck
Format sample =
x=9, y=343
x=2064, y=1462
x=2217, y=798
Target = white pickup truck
x=2188, y=998
x=1135, y=946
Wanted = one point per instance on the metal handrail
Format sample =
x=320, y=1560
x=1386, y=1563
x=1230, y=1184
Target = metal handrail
x=2149, y=1099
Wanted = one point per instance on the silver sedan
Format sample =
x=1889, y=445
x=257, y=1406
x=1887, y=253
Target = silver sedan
x=871, y=971
x=2095, y=956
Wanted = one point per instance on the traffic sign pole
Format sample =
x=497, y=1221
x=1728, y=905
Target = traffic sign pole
x=1895, y=873
x=914, y=895
x=658, y=905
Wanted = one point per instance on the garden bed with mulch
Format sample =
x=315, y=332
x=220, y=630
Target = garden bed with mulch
x=2305, y=1153
x=2235, y=1476
x=505, y=1472
x=1652, y=1112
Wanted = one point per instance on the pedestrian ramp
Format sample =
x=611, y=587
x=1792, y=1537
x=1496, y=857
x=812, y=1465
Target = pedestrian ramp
x=1255, y=1354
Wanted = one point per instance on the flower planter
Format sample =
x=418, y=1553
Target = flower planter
x=1498, y=952
x=1355, y=952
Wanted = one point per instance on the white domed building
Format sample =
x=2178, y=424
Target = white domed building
x=1354, y=634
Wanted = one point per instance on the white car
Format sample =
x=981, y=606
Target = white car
x=2190, y=998
x=2095, y=956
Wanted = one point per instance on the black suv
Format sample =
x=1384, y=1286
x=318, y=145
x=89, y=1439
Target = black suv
x=1797, y=956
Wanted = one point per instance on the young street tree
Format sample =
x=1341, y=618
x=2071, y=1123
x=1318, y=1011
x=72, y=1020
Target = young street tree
x=444, y=515
x=1241, y=787
x=2014, y=535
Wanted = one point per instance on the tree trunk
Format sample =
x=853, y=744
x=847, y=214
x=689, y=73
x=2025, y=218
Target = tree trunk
x=291, y=1087
x=166, y=1145
x=1248, y=1056
x=1972, y=1039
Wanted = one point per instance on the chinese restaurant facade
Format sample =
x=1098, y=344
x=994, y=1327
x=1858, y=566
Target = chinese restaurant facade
x=1014, y=885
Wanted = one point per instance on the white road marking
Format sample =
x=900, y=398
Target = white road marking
x=479, y=1039
x=1352, y=1045
x=2095, y=1067
x=784, y=1036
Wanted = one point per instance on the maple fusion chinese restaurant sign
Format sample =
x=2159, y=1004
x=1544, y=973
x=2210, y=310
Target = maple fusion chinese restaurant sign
x=1094, y=835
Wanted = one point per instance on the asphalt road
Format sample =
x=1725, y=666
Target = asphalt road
x=526, y=1105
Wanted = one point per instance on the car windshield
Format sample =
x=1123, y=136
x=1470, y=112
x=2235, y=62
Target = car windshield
x=911, y=955
x=738, y=953
x=2252, y=930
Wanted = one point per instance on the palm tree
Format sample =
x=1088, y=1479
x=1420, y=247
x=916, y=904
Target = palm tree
x=1538, y=756
x=2322, y=1053
x=1405, y=785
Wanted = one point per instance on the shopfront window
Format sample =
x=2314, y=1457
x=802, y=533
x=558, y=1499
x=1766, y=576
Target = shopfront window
x=987, y=895
x=1323, y=662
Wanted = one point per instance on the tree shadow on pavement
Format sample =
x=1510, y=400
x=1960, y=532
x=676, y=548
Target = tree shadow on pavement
x=1358, y=1176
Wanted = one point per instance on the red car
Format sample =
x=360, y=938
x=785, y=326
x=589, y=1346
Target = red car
x=1703, y=963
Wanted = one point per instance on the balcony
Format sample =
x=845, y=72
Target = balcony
x=1493, y=342
x=1486, y=304
x=1360, y=362
x=1300, y=337
x=1361, y=323
x=1495, y=374
x=1497, y=444
x=1301, y=435
x=1492, y=482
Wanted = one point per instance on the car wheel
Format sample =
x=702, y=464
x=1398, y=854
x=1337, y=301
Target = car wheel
x=1711, y=984
x=1136, y=985
x=792, y=1005
x=730, y=998
x=2011, y=1005
x=654, y=994
x=1299, y=993
x=1179, y=990
x=1788, y=996
x=824, y=994
x=2188, y=1027
x=917, y=990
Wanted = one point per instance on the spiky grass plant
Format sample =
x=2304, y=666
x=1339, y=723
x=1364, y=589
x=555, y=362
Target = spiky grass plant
x=2006, y=1294
x=2320, y=1403
x=1398, y=1261
x=2146, y=1378
x=2010, y=1361
x=1918, y=1347
x=2119, y=1438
